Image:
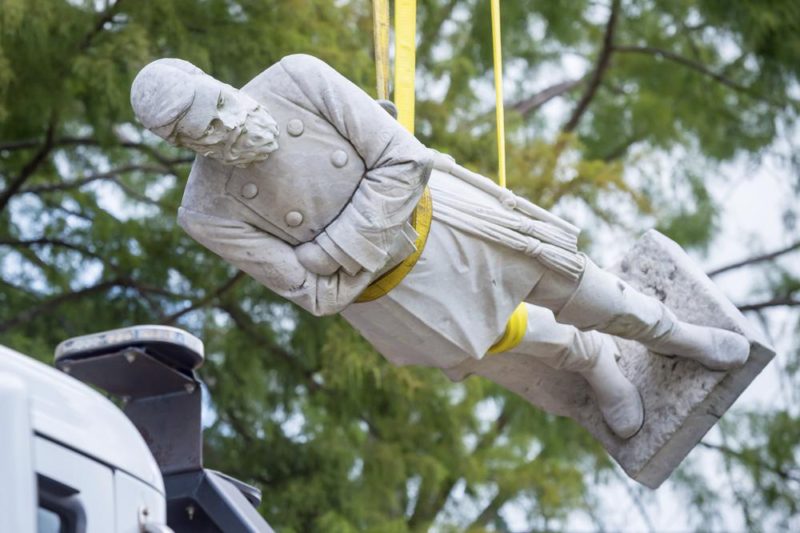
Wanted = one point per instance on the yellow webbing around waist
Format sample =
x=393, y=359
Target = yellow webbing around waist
x=405, y=28
x=421, y=220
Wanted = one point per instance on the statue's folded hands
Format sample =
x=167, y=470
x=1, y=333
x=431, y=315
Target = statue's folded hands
x=273, y=263
x=312, y=256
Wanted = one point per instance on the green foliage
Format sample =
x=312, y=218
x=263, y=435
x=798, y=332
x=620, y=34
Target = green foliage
x=692, y=225
x=338, y=439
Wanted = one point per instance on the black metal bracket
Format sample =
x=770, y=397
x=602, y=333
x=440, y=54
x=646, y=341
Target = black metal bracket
x=206, y=501
x=162, y=395
x=164, y=403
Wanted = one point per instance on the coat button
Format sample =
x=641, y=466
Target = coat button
x=339, y=158
x=293, y=218
x=295, y=127
x=249, y=190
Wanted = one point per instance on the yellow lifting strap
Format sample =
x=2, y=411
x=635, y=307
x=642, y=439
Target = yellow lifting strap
x=405, y=22
x=518, y=322
x=497, y=54
x=380, y=32
x=405, y=31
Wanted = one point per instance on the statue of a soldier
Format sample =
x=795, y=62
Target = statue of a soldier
x=307, y=184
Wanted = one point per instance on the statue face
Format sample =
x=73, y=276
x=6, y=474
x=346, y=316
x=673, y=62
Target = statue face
x=226, y=124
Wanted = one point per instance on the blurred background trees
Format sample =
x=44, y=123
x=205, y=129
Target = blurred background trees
x=622, y=115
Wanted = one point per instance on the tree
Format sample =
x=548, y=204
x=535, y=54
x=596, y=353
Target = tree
x=338, y=439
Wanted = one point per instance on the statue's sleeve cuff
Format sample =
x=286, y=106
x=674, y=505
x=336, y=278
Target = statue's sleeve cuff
x=370, y=256
x=348, y=264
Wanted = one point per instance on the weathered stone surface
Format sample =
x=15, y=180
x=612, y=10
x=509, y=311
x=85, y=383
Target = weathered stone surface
x=682, y=399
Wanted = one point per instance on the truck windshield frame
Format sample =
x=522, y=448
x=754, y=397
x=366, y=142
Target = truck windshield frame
x=63, y=501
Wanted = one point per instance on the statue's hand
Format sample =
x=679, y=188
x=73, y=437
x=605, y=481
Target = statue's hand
x=315, y=259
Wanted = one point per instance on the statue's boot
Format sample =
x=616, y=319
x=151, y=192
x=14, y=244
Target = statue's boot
x=603, y=302
x=594, y=356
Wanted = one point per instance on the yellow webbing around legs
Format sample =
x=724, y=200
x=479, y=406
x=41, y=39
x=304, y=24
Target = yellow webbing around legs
x=516, y=327
x=518, y=322
x=405, y=29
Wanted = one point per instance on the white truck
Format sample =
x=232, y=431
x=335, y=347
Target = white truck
x=71, y=461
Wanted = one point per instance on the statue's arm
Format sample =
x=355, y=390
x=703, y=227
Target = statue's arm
x=398, y=165
x=273, y=263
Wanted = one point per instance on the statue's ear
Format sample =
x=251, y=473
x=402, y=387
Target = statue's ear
x=389, y=107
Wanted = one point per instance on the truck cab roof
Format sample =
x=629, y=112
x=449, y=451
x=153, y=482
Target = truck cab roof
x=72, y=414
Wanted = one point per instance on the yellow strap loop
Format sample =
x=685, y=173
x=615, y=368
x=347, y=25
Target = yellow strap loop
x=380, y=32
x=421, y=220
x=405, y=29
x=405, y=21
x=515, y=330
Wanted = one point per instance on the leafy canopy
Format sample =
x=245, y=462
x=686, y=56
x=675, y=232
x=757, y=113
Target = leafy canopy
x=304, y=408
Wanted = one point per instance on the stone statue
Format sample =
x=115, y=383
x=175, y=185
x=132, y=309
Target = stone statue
x=307, y=184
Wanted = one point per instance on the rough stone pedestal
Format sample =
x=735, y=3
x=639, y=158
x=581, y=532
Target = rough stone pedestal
x=682, y=399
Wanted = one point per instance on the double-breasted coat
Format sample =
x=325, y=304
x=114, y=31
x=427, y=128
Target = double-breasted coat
x=328, y=212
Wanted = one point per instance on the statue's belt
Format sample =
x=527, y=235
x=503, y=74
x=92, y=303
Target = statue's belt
x=421, y=220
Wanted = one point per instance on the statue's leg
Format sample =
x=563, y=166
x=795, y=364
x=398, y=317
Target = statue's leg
x=601, y=301
x=591, y=354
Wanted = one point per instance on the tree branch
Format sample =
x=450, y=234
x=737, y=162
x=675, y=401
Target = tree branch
x=783, y=301
x=108, y=263
x=489, y=512
x=621, y=149
x=202, y=302
x=27, y=171
x=22, y=144
x=110, y=175
x=136, y=194
x=56, y=206
x=426, y=512
x=102, y=19
x=756, y=259
x=753, y=460
x=691, y=64
x=636, y=499
x=50, y=305
x=537, y=100
x=47, y=145
x=239, y=426
x=603, y=61
x=49, y=242
x=247, y=326
x=88, y=141
x=433, y=25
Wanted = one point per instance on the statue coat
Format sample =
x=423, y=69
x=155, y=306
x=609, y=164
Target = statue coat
x=327, y=213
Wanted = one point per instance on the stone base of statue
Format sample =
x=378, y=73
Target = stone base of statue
x=682, y=399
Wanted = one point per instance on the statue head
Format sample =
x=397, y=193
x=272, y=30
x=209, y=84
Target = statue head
x=186, y=107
